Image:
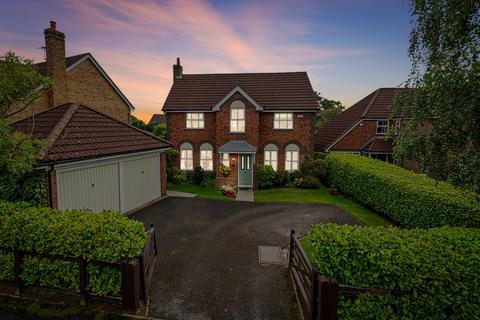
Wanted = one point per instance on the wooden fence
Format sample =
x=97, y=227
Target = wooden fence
x=317, y=295
x=135, y=274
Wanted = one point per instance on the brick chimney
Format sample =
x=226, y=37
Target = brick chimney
x=177, y=70
x=56, y=64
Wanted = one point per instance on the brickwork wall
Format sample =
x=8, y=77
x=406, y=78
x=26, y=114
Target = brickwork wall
x=358, y=137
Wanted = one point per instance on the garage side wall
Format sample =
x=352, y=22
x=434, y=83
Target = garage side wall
x=163, y=173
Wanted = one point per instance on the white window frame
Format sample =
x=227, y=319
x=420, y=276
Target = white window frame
x=235, y=119
x=186, y=157
x=283, y=121
x=206, y=157
x=195, y=120
x=292, y=157
x=382, y=127
x=270, y=156
x=225, y=158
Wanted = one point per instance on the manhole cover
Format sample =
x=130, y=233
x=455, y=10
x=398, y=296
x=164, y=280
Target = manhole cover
x=270, y=255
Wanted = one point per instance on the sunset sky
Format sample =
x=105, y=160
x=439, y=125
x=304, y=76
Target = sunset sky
x=348, y=47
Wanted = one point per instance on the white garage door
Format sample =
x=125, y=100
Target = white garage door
x=94, y=188
x=141, y=181
x=122, y=184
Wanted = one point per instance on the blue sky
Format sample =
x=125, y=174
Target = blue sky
x=349, y=48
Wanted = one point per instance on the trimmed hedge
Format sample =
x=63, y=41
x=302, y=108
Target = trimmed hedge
x=107, y=236
x=409, y=199
x=433, y=274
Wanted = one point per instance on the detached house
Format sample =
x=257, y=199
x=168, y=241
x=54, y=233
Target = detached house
x=92, y=157
x=362, y=128
x=240, y=120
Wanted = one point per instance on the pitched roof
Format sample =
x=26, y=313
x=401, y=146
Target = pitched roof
x=237, y=146
x=374, y=106
x=272, y=91
x=379, y=144
x=74, y=131
x=73, y=61
x=158, y=118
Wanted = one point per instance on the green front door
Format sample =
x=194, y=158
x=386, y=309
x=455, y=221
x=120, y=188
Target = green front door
x=245, y=170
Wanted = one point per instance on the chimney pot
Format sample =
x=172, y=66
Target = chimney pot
x=177, y=71
x=53, y=25
x=178, y=61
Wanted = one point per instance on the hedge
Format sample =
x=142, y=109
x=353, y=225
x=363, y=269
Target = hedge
x=433, y=273
x=107, y=236
x=409, y=199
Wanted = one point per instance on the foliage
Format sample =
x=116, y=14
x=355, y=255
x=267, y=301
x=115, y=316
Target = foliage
x=140, y=124
x=411, y=200
x=161, y=130
x=433, y=274
x=266, y=176
x=224, y=170
x=319, y=155
x=329, y=109
x=107, y=236
x=443, y=130
x=307, y=182
x=177, y=176
x=19, y=80
x=287, y=179
x=314, y=168
x=171, y=169
x=198, y=175
x=208, y=183
x=228, y=190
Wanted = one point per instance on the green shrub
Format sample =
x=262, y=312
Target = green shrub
x=266, y=176
x=319, y=155
x=287, y=178
x=107, y=236
x=314, y=168
x=177, y=176
x=309, y=182
x=409, y=199
x=208, y=183
x=433, y=274
x=198, y=175
x=279, y=179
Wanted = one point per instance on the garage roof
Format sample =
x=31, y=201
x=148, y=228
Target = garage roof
x=74, y=131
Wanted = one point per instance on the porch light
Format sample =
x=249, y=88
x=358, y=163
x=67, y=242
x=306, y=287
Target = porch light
x=234, y=161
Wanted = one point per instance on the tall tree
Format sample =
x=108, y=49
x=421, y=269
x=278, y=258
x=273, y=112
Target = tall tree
x=328, y=110
x=443, y=130
x=19, y=87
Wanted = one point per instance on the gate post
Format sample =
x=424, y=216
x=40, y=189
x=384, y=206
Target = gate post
x=328, y=290
x=130, y=286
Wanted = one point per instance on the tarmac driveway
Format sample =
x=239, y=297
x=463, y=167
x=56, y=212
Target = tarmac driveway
x=208, y=267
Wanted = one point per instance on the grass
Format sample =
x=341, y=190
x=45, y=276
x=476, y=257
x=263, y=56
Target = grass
x=321, y=195
x=201, y=192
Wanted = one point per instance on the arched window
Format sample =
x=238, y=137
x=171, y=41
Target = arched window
x=206, y=157
x=237, y=116
x=292, y=152
x=186, y=156
x=271, y=155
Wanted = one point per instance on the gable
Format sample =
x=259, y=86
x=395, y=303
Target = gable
x=240, y=92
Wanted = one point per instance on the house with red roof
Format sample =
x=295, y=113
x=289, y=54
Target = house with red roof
x=92, y=157
x=240, y=120
x=362, y=128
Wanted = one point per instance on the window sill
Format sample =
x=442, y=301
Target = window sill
x=236, y=132
x=283, y=129
x=194, y=128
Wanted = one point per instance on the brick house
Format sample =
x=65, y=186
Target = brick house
x=157, y=119
x=240, y=120
x=362, y=128
x=78, y=78
x=92, y=157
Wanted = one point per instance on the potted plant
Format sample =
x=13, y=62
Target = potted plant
x=224, y=170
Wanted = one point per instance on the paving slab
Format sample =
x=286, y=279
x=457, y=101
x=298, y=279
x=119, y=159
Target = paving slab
x=180, y=194
x=208, y=264
x=245, y=195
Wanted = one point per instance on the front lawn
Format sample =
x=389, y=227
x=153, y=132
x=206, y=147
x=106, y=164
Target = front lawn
x=201, y=192
x=321, y=195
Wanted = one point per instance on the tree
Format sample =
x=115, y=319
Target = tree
x=140, y=124
x=443, y=110
x=161, y=130
x=328, y=110
x=19, y=83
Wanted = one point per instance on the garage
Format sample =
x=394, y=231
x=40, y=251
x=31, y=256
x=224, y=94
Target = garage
x=95, y=162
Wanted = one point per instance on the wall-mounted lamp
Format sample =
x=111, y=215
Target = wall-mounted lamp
x=234, y=161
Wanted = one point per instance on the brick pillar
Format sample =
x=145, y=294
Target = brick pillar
x=56, y=64
x=163, y=173
x=52, y=189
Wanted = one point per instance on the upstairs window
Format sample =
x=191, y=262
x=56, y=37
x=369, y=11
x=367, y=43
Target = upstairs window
x=206, y=157
x=237, y=116
x=382, y=126
x=186, y=156
x=195, y=120
x=292, y=155
x=271, y=156
x=283, y=120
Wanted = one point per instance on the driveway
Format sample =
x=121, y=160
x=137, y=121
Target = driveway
x=208, y=267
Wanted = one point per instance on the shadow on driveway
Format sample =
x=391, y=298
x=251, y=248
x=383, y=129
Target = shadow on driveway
x=208, y=267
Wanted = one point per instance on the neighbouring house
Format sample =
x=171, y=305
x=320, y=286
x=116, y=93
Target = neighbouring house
x=362, y=128
x=158, y=119
x=93, y=161
x=78, y=78
x=240, y=120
